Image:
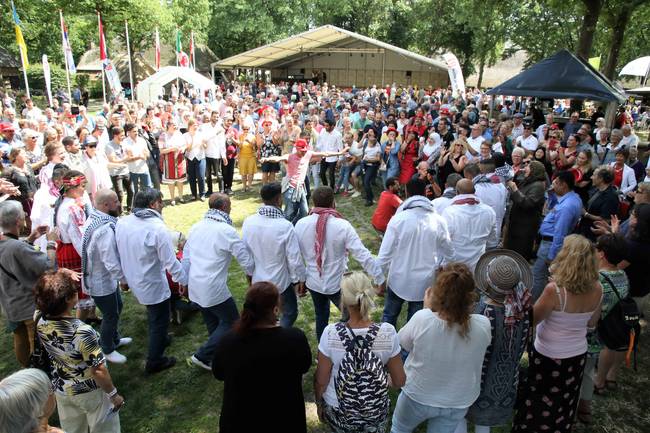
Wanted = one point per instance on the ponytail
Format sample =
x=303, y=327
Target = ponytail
x=357, y=292
x=261, y=300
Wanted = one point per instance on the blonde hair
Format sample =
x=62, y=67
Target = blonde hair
x=459, y=141
x=576, y=267
x=356, y=291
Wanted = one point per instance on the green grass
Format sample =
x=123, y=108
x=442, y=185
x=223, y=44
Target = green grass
x=186, y=399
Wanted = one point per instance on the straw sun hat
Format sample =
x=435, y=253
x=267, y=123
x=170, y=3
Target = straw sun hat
x=498, y=272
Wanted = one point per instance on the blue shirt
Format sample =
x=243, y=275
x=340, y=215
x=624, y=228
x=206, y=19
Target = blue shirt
x=561, y=220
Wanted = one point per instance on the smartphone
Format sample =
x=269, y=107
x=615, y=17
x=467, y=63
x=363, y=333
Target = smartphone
x=74, y=109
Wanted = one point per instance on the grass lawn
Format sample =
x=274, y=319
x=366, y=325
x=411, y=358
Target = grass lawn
x=186, y=399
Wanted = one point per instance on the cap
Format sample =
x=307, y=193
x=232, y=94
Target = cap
x=518, y=116
x=301, y=144
x=444, y=110
x=391, y=129
x=6, y=126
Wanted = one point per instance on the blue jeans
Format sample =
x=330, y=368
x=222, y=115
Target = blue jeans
x=218, y=319
x=393, y=306
x=294, y=210
x=111, y=308
x=322, y=309
x=368, y=179
x=158, y=318
x=139, y=181
x=540, y=269
x=344, y=177
x=196, y=173
x=289, y=307
x=409, y=414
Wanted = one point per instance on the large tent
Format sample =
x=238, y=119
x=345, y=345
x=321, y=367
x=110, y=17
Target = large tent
x=561, y=76
x=340, y=57
x=151, y=88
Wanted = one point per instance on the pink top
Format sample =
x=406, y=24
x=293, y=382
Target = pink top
x=297, y=168
x=563, y=335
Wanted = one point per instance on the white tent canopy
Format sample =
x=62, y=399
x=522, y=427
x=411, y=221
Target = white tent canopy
x=638, y=67
x=151, y=88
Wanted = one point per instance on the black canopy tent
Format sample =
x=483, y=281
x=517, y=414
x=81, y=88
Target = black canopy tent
x=561, y=76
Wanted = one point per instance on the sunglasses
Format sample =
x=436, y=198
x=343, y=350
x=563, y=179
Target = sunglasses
x=91, y=145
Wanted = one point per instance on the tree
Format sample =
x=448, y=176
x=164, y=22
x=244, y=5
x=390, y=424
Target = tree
x=588, y=27
x=618, y=17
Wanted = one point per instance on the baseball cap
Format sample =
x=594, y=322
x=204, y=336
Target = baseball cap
x=6, y=126
x=301, y=144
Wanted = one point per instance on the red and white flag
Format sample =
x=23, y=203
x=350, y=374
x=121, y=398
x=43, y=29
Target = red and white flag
x=157, y=50
x=183, y=59
x=102, y=41
x=192, y=56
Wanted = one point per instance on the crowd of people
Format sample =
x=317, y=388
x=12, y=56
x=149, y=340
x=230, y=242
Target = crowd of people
x=502, y=231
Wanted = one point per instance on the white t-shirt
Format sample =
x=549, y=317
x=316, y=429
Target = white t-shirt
x=443, y=369
x=371, y=153
x=385, y=346
x=529, y=143
x=137, y=148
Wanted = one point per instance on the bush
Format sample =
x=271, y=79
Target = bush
x=37, y=79
x=81, y=80
x=95, y=89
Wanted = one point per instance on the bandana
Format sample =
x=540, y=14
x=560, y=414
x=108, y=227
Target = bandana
x=146, y=213
x=484, y=178
x=270, y=212
x=74, y=181
x=467, y=200
x=323, y=214
x=219, y=216
x=97, y=219
x=415, y=202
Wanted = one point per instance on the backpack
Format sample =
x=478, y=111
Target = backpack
x=619, y=330
x=362, y=382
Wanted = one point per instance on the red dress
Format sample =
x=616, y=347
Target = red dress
x=407, y=162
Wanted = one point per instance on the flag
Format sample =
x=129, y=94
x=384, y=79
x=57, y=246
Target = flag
x=67, y=50
x=102, y=41
x=157, y=50
x=183, y=60
x=178, y=42
x=455, y=75
x=595, y=62
x=48, y=78
x=192, y=59
x=112, y=77
x=19, y=37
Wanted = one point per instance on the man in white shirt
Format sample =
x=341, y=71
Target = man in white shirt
x=518, y=128
x=630, y=139
x=415, y=245
x=325, y=240
x=527, y=140
x=474, y=140
x=489, y=189
x=137, y=152
x=146, y=252
x=441, y=203
x=272, y=241
x=329, y=140
x=213, y=133
x=471, y=224
x=102, y=270
x=540, y=129
x=211, y=245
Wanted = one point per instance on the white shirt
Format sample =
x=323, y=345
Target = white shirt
x=275, y=249
x=215, y=137
x=146, y=251
x=494, y=195
x=197, y=151
x=207, y=254
x=529, y=143
x=103, y=263
x=340, y=239
x=385, y=346
x=136, y=148
x=631, y=141
x=69, y=231
x=472, y=228
x=96, y=172
x=329, y=142
x=415, y=244
x=475, y=143
x=443, y=369
x=441, y=203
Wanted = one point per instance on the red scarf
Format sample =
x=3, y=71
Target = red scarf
x=323, y=214
x=468, y=200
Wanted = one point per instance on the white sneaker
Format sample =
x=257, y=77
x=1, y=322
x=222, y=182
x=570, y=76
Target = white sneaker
x=115, y=357
x=356, y=194
x=196, y=361
x=124, y=341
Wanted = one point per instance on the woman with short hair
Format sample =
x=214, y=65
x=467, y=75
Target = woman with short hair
x=25, y=403
x=336, y=348
x=82, y=384
x=261, y=365
x=439, y=389
x=567, y=308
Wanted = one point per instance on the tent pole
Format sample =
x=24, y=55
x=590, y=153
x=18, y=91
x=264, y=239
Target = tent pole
x=383, y=69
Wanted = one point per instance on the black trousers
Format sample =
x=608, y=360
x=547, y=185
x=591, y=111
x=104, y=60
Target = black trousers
x=228, y=172
x=213, y=166
x=325, y=169
x=122, y=186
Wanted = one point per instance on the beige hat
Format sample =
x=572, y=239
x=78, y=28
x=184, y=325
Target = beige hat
x=498, y=272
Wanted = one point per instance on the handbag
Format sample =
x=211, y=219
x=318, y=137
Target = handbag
x=619, y=330
x=39, y=358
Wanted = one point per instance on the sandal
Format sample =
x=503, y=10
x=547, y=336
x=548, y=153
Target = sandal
x=612, y=385
x=600, y=390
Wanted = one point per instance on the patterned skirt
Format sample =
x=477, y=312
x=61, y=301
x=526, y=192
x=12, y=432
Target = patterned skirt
x=548, y=395
x=67, y=257
x=173, y=168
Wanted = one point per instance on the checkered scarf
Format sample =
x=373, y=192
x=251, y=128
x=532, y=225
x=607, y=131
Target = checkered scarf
x=270, y=212
x=218, y=215
x=97, y=219
x=146, y=213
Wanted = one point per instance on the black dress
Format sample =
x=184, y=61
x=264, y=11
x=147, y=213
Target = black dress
x=262, y=373
x=603, y=204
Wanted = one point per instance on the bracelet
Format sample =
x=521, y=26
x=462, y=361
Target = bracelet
x=112, y=393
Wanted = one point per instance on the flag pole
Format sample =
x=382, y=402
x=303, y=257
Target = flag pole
x=178, y=53
x=99, y=20
x=128, y=53
x=22, y=60
x=65, y=56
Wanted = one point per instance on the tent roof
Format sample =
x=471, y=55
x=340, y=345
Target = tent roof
x=168, y=74
x=563, y=75
x=637, y=67
x=299, y=46
x=639, y=90
x=8, y=60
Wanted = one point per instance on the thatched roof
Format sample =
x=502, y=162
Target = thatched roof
x=501, y=71
x=8, y=60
